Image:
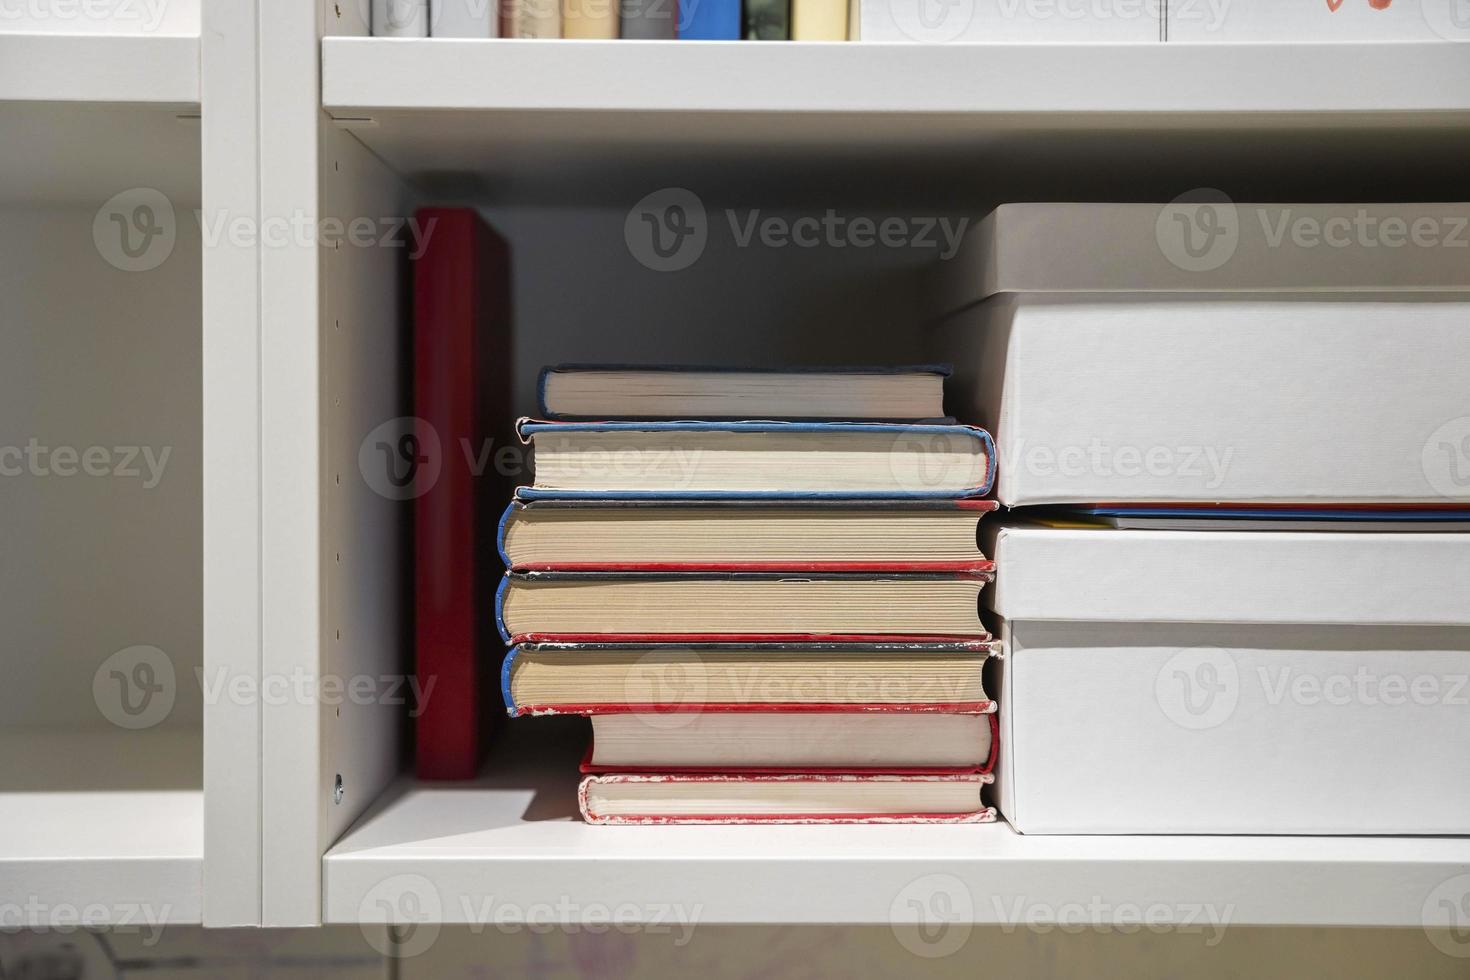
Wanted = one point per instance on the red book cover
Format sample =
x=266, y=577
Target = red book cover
x=589, y=768
x=981, y=813
x=462, y=398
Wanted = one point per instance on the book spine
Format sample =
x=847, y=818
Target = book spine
x=641, y=20
x=528, y=19
x=505, y=695
x=768, y=20
x=589, y=20
x=709, y=20
x=819, y=20
x=464, y=18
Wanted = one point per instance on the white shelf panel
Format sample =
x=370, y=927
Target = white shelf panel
x=606, y=122
x=103, y=68
x=107, y=823
x=1036, y=80
x=511, y=845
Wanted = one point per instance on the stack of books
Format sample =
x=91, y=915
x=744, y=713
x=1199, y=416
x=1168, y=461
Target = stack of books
x=772, y=620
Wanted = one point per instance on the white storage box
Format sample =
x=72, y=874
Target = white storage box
x=1054, y=21
x=1290, y=399
x=1318, y=20
x=1200, y=682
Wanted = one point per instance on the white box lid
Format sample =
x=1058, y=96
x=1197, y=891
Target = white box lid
x=1108, y=575
x=1206, y=243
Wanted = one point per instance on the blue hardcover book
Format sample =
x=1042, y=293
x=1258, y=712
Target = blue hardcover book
x=591, y=392
x=757, y=461
x=709, y=20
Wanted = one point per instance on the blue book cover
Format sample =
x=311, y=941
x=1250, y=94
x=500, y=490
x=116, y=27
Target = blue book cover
x=709, y=20
x=901, y=434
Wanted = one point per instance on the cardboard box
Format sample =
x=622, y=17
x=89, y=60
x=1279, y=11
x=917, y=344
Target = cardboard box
x=1218, y=682
x=1222, y=398
x=1055, y=21
x=1202, y=21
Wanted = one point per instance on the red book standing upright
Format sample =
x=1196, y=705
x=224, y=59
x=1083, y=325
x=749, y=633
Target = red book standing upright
x=462, y=403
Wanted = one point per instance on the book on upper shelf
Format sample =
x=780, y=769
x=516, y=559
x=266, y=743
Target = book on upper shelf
x=757, y=460
x=688, y=738
x=653, y=799
x=926, y=535
x=600, y=678
x=592, y=392
x=738, y=606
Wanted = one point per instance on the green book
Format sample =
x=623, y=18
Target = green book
x=768, y=20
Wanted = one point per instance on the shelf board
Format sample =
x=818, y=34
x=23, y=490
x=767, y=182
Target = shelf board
x=145, y=69
x=107, y=822
x=552, y=121
x=510, y=844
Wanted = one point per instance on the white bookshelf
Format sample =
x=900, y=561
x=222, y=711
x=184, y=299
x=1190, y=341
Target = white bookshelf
x=107, y=68
x=274, y=362
x=102, y=822
x=512, y=842
x=104, y=812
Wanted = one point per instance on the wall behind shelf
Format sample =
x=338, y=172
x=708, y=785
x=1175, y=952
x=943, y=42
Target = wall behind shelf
x=92, y=356
x=580, y=294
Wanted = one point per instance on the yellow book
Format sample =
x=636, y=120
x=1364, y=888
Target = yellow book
x=819, y=20
x=589, y=19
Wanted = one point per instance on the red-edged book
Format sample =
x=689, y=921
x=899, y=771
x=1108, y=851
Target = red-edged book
x=734, y=678
x=811, y=535
x=462, y=398
x=629, y=606
x=812, y=798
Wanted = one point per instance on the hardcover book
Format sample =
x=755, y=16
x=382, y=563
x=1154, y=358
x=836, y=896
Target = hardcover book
x=590, y=392
x=738, y=607
x=462, y=352
x=929, y=535
x=854, y=739
x=797, y=799
x=709, y=20
x=755, y=460
x=603, y=678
